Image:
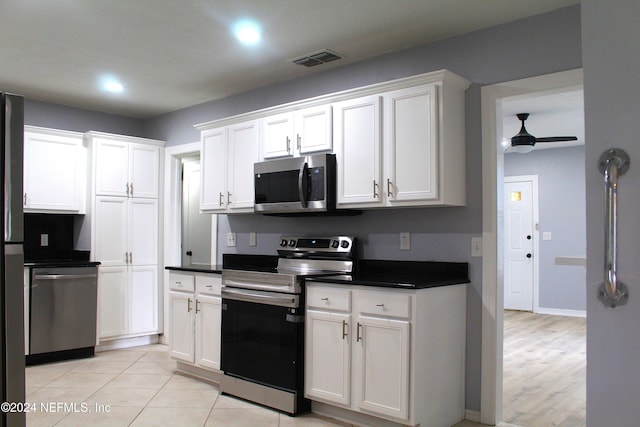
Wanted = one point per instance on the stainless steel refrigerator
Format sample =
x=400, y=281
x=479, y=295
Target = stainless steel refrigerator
x=12, y=358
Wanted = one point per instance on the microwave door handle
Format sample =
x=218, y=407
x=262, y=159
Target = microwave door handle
x=302, y=185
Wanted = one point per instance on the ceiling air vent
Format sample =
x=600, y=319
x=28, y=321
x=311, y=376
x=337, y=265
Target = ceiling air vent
x=317, y=58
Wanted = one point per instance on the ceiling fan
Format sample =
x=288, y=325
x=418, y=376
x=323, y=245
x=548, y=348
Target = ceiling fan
x=524, y=142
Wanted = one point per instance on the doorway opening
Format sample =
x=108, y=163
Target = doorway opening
x=495, y=164
x=196, y=226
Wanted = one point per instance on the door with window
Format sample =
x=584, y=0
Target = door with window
x=520, y=215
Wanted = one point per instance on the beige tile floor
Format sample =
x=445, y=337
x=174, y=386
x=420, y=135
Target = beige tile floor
x=139, y=387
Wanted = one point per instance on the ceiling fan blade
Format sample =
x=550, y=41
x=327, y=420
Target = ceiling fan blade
x=557, y=139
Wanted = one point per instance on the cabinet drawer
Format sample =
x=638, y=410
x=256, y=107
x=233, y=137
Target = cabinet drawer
x=181, y=282
x=209, y=284
x=329, y=298
x=384, y=304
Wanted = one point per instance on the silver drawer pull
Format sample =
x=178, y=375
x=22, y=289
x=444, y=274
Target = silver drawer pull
x=324, y=299
x=379, y=305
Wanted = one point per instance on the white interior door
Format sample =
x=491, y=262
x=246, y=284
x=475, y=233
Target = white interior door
x=520, y=208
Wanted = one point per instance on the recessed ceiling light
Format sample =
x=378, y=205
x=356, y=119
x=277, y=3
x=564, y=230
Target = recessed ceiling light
x=111, y=84
x=248, y=32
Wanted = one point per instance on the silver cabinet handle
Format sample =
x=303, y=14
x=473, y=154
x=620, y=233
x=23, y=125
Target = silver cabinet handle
x=197, y=306
x=375, y=191
x=221, y=199
x=64, y=276
x=131, y=194
x=379, y=305
x=288, y=145
x=299, y=142
x=358, y=332
x=130, y=257
x=25, y=199
x=324, y=299
x=344, y=329
x=189, y=305
x=228, y=198
x=126, y=257
x=389, y=186
x=612, y=164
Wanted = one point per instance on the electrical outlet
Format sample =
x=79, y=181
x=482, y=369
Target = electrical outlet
x=476, y=246
x=44, y=240
x=546, y=235
x=252, y=239
x=231, y=239
x=405, y=241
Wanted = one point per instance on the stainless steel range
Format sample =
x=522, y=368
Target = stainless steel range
x=263, y=320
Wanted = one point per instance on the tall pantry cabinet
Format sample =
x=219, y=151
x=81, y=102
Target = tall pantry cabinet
x=124, y=232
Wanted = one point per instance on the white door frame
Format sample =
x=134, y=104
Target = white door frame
x=172, y=216
x=492, y=224
x=536, y=234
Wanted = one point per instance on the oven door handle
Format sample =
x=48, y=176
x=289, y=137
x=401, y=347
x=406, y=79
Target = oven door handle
x=260, y=297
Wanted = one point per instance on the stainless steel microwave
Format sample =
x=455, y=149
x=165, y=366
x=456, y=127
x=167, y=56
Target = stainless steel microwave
x=296, y=185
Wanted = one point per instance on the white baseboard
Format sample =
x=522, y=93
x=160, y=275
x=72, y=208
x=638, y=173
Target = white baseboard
x=561, y=312
x=470, y=415
x=126, y=343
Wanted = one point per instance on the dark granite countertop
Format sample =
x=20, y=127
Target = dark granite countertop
x=402, y=274
x=61, y=263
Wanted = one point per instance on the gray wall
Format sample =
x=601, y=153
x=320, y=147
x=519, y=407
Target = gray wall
x=612, y=112
x=534, y=46
x=562, y=212
x=37, y=113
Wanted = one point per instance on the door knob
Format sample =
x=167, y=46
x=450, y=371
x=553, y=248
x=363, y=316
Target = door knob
x=529, y=255
x=189, y=253
x=528, y=236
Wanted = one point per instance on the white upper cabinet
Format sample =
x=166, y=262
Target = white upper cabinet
x=357, y=137
x=296, y=133
x=397, y=144
x=55, y=171
x=227, y=156
x=411, y=144
x=124, y=167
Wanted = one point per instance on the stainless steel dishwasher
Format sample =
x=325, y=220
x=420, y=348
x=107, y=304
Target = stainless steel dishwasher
x=62, y=312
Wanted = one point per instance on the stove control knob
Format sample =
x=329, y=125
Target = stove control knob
x=335, y=244
x=292, y=243
x=283, y=242
x=344, y=244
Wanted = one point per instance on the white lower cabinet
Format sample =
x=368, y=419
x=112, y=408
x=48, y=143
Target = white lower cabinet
x=387, y=353
x=195, y=309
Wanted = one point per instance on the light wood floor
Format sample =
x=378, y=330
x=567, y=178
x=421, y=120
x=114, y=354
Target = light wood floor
x=544, y=370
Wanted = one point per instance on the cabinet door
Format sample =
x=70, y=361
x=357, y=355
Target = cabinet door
x=111, y=167
x=144, y=164
x=181, y=312
x=213, y=158
x=328, y=356
x=243, y=149
x=411, y=144
x=143, y=299
x=143, y=231
x=110, y=232
x=54, y=173
x=277, y=136
x=208, y=330
x=382, y=366
x=313, y=129
x=112, y=301
x=356, y=132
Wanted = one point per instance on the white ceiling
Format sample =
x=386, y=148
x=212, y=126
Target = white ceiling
x=171, y=54
x=555, y=113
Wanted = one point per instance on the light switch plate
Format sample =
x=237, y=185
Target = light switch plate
x=476, y=246
x=252, y=239
x=405, y=241
x=546, y=235
x=231, y=239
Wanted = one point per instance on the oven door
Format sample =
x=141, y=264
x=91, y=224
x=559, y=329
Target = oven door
x=263, y=337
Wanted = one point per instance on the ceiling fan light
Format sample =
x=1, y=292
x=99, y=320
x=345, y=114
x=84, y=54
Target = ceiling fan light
x=521, y=149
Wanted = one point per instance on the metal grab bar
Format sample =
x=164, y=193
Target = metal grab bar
x=612, y=164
